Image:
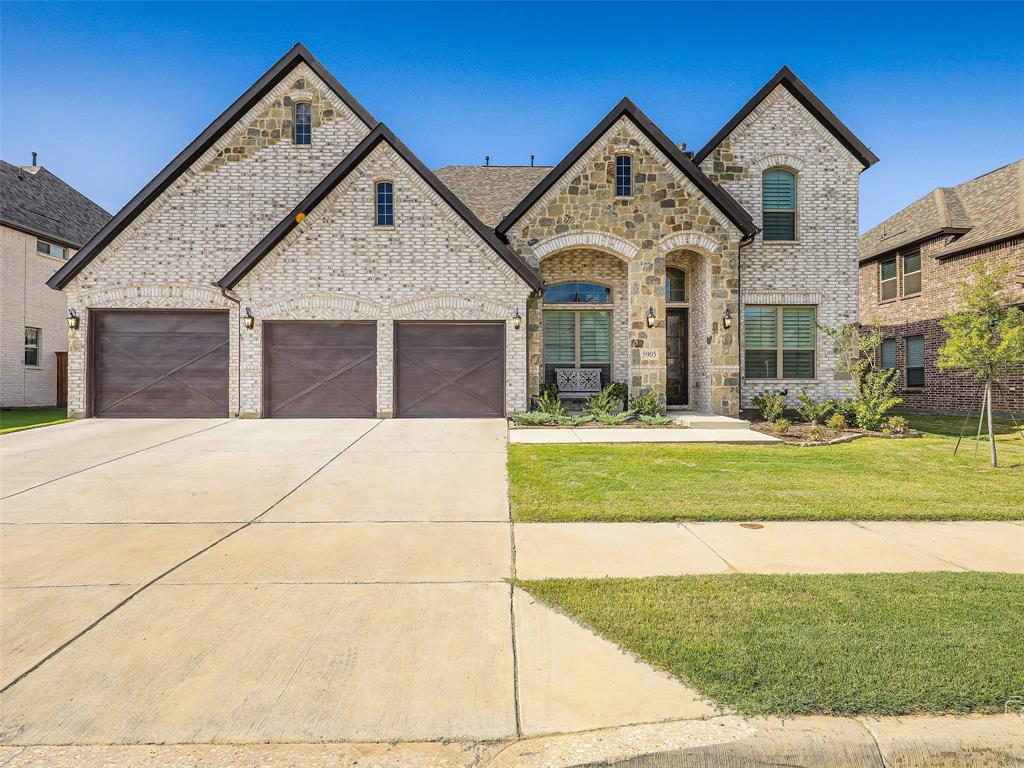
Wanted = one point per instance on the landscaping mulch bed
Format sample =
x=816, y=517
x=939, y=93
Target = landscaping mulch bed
x=799, y=434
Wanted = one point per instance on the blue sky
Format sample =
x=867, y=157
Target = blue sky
x=108, y=93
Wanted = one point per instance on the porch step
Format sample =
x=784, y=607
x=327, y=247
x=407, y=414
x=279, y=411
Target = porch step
x=695, y=420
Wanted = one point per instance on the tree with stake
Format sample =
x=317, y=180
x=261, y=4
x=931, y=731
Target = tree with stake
x=986, y=337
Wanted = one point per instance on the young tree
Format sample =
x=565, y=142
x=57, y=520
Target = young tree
x=986, y=336
x=874, y=388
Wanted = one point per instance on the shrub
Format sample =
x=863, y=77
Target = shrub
x=837, y=423
x=573, y=421
x=770, y=404
x=646, y=403
x=656, y=421
x=781, y=426
x=817, y=433
x=609, y=400
x=532, y=419
x=618, y=390
x=876, y=398
x=811, y=411
x=612, y=420
x=549, y=402
x=896, y=425
x=847, y=409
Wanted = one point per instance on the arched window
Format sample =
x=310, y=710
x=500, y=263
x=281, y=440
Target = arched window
x=623, y=176
x=303, y=123
x=675, y=285
x=778, y=199
x=577, y=293
x=385, y=204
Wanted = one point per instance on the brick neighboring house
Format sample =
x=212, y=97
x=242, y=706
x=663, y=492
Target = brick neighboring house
x=298, y=259
x=42, y=222
x=911, y=266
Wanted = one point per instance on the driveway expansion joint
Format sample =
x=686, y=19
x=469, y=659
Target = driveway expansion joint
x=858, y=524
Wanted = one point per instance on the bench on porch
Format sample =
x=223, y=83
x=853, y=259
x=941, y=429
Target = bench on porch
x=577, y=383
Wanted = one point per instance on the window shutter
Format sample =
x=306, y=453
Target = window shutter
x=798, y=327
x=915, y=352
x=559, y=337
x=760, y=327
x=595, y=337
x=778, y=189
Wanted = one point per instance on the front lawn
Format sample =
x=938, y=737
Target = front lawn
x=870, y=478
x=882, y=644
x=16, y=419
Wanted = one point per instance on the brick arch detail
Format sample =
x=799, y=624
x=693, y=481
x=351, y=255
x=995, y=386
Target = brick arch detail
x=778, y=160
x=326, y=305
x=601, y=241
x=452, y=306
x=155, y=296
x=689, y=240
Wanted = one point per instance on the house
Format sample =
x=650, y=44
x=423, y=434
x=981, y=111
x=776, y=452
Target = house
x=43, y=221
x=297, y=259
x=911, y=267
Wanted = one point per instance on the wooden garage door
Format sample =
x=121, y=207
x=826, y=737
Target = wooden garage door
x=156, y=363
x=450, y=369
x=321, y=368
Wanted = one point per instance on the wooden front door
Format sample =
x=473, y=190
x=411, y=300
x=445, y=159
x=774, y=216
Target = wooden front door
x=676, y=354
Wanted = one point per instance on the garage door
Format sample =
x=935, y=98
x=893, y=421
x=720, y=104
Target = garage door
x=155, y=363
x=450, y=369
x=320, y=369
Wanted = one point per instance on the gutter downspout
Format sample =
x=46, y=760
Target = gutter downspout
x=238, y=376
x=739, y=314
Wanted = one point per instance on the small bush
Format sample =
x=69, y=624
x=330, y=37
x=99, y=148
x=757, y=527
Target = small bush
x=532, y=419
x=896, y=425
x=656, y=421
x=573, y=421
x=618, y=390
x=609, y=400
x=781, y=426
x=770, y=404
x=817, y=433
x=549, y=402
x=811, y=411
x=837, y=423
x=646, y=404
x=876, y=398
x=612, y=420
x=847, y=409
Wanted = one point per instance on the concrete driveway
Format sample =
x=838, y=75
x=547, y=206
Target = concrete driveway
x=179, y=581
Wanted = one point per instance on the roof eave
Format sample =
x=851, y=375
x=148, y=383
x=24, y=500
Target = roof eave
x=986, y=243
x=915, y=242
x=41, y=234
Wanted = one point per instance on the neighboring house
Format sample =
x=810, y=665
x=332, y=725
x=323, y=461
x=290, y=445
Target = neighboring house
x=911, y=267
x=42, y=221
x=298, y=260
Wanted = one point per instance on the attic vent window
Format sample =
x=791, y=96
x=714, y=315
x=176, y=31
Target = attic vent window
x=304, y=123
x=623, y=176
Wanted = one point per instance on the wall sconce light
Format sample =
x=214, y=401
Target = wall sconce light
x=248, y=321
x=72, y=319
x=651, y=317
x=517, y=320
x=727, y=319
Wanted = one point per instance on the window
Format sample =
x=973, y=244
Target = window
x=56, y=251
x=887, y=280
x=31, y=346
x=303, y=123
x=888, y=356
x=577, y=339
x=915, y=361
x=779, y=339
x=577, y=293
x=911, y=273
x=675, y=285
x=385, y=204
x=778, y=198
x=623, y=176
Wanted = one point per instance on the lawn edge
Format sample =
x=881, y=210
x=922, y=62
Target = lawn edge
x=11, y=430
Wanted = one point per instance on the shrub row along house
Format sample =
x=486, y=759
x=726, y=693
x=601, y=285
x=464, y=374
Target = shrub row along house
x=911, y=268
x=297, y=259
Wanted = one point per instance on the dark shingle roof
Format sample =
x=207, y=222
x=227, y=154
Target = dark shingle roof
x=34, y=200
x=491, y=191
x=980, y=211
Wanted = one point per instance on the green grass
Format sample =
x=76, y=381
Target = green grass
x=870, y=478
x=17, y=419
x=883, y=644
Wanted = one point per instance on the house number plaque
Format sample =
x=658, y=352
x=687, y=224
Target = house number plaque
x=649, y=354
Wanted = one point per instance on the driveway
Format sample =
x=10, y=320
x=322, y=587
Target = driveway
x=190, y=581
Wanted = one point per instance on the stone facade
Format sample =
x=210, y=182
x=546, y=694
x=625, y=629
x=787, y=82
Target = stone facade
x=819, y=268
x=26, y=301
x=919, y=315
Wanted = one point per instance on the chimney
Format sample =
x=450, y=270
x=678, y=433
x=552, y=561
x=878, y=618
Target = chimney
x=34, y=155
x=531, y=161
x=487, y=160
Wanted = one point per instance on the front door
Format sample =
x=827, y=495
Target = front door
x=676, y=385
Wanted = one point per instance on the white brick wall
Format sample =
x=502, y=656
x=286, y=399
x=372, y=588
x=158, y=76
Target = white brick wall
x=26, y=301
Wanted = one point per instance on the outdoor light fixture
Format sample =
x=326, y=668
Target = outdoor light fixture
x=517, y=320
x=727, y=319
x=651, y=317
x=249, y=321
x=72, y=319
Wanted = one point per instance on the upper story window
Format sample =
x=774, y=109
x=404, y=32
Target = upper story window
x=778, y=202
x=303, y=123
x=911, y=273
x=56, y=251
x=31, y=346
x=623, y=176
x=887, y=279
x=385, y=204
x=577, y=293
x=675, y=285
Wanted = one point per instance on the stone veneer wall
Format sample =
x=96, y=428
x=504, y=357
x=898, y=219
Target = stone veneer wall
x=666, y=212
x=220, y=207
x=337, y=265
x=820, y=267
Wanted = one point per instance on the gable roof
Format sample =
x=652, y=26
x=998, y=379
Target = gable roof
x=213, y=132
x=796, y=87
x=379, y=134
x=978, y=212
x=491, y=191
x=33, y=200
x=626, y=108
